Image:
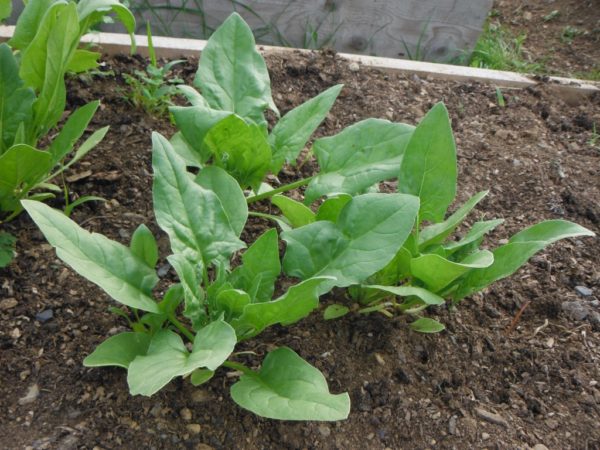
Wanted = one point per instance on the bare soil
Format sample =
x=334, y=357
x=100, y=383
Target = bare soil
x=491, y=380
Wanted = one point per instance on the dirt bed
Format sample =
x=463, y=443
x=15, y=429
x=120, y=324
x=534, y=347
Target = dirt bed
x=490, y=380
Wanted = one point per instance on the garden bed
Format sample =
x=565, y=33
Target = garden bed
x=491, y=379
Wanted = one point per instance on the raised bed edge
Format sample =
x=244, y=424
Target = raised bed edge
x=569, y=89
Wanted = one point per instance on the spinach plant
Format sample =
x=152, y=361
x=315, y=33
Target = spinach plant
x=32, y=95
x=427, y=264
x=152, y=89
x=203, y=216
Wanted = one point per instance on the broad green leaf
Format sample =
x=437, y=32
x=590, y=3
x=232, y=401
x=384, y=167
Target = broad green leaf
x=192, y=216
x=16, y=101
x=438, y=232
x=426, y=296
x=190, y=276
x=193, y=96
x=360, y=156
x=241, y=149
x=295, y=212
x=183, y=148
x=110, y=265
x=438, y=272
x=229, y=192
x=522, y=246
x=232, y=302
x=5, y=9
x=477, y=231
x=83, y=61
x=167, y=357
x=290, y=134
x=143, y=245
x=397, y=269
x=370, y=230
x=288, y=388
x=232, y=75
x=298, y=302
x=195, y=122
x=119, y=350
x=335, y=312
x=21, y=168
x=331, y=208
x=428, y=168
x=93, y=11
x=7, y=248
x=171, y=300
x=29, y=22
x=72, y=131
x=260, y=267
x=201, y=376
x=426, y=325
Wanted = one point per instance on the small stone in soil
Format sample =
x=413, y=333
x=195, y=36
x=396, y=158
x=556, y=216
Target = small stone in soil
x=44, y=316
x=353, y=67
x=452, y=425
x=584, y=291
x=163, y=270
x=31, y=396
x=186, y=414
x=491, y=417
x=8, y=303
x=576, y=310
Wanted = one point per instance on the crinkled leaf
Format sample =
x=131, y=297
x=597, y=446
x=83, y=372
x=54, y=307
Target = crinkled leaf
x=290, y=134
x=190, y=276
x=229, y=192
x=426, y=325
x=426, y=296
x=119, y=350
x=260, y=267
x=295, y=212
x=192, y=216
x=232, y=75
x=523, y=245
x=143, y=245
x=438, y=232
x=288, y=388
x=167, y=357
x=360, y=156
x=438, y=272
x=110, y=265
x=298, y=302
x=428, y=168
x=241, y=149
x=370, y=230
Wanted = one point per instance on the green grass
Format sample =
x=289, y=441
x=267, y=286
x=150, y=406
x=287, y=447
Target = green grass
x=498, y=49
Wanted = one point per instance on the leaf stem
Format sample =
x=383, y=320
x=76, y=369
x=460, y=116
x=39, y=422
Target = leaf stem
x=279, y=190
x=181, y=327
x=238, y=366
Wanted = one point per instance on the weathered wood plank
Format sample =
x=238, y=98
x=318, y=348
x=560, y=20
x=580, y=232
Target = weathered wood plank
x=436, y=30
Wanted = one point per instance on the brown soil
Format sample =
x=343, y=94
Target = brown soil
x=538, y=376
x=563, y=35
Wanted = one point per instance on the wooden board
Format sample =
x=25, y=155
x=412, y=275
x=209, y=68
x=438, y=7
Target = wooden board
x=434, y=30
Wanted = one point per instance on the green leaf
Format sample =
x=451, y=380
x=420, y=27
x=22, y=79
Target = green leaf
x=72, y=131
x=5, y=9
x=93, y=11
x=295, y=212
x=428, y=168
x=522, y=246
x=426, y=325
x=477, y=231
x=83, y=61
x=232, y=75
x=87, y=145
x=21, y=168
x=436, y=233
x=428, y=297
x=201, y=376
x=288, y=388
x=143, y=245
x=7, y=248
x=241, y=149
x=370, y=230
x=229, y=192
x=290, y=134
x=190, y=276
x=335, y=312
x=167, y=357
x=438, y=272
x=195, y=122
x=29, y=22
x=298, y=302
x=331, y=208
x=119, y=350
x=360, y=156
x=232, y=302
x=260, y=267
x=183, y=148
x=110, y=265
x=16, y=101
x=192, y=216
x=193, y=96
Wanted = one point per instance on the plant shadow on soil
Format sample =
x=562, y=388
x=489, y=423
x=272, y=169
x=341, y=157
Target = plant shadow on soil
x=408, y=390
